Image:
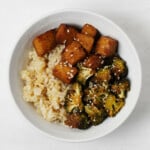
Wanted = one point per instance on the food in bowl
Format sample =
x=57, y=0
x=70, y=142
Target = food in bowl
x=75, y=76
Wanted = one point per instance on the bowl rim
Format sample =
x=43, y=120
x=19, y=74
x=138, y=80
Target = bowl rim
x=82, y=11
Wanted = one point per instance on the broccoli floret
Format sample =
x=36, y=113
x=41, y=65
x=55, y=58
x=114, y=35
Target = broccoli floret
x=80, y=121
x=113, y=105
x=121, y=88
x=94, y=94
x=73, y=98
x=103, y=75
x=96, y=115
x=119, y=68
x=84, y=74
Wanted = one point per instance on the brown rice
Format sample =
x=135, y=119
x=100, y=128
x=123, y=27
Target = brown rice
x=40, y=86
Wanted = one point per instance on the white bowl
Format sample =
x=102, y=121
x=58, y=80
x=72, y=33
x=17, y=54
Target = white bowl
x=106, y=27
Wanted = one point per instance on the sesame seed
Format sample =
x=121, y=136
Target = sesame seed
x=90, y=65
x=65, y=62
x=74, y=38
x=71, y=75
x=72, y=70
x=68, y=30
x=64, y=41
x=102, y=61
x=77, y=39
x=118, y=78
x=69, y=65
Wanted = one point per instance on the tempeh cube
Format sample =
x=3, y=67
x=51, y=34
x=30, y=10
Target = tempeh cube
x=86, y=41
x=93, y=61
x=65, y=34
x=106, y=46
x=73, y=53
x=89, y=30
x=44, y=42
x=64, y=72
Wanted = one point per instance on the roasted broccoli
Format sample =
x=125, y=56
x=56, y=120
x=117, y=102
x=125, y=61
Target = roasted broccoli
x=84, y=74
x=80, y=121
x=94, y=94
x=113, y=105
x=121, y=88
x=97, y=115
x=119, y=68
x=103, y=75
x=73, y=98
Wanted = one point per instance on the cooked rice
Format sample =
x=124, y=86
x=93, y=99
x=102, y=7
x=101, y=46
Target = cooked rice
x=40, y=86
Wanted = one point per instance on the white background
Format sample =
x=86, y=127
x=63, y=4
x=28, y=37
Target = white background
x=133, y=16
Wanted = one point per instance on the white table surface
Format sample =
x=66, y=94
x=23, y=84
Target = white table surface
x=133, y=16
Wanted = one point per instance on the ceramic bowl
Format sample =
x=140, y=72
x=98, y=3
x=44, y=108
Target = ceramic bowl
x=106, y=27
